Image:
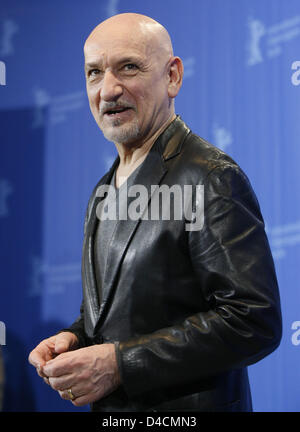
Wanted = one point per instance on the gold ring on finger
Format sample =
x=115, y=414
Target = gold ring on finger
x=72, y=397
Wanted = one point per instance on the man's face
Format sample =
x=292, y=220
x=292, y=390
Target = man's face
x=127, y=84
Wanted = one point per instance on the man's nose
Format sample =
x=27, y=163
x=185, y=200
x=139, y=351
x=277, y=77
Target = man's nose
x=111, y=87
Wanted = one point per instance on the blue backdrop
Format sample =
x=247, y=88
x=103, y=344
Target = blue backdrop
x=240, y=92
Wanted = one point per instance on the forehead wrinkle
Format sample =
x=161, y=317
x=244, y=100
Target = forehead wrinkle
x=115, y=42
x=114, y=57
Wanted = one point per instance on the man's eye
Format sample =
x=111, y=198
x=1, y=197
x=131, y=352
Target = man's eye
x=130, y=67
x=93, y=72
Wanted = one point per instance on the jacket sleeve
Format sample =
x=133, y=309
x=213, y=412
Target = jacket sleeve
x=78, y=329
x=234, y=269
x=78, y=325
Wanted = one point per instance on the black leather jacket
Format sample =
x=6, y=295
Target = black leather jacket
x=188, y=311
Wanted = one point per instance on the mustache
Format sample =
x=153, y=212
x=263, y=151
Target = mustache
x=108, y=106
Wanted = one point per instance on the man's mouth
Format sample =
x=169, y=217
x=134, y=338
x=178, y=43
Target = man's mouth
x=116, y=110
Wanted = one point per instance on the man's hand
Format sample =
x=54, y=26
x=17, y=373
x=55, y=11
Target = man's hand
x=49, y=348
x=91, y=373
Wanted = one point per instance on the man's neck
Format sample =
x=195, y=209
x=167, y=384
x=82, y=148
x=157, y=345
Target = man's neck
x=131, y=158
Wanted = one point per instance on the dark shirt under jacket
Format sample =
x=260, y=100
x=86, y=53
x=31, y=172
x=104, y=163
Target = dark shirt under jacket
x=106, y=228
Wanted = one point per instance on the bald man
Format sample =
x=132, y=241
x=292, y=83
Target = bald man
x=174, y=308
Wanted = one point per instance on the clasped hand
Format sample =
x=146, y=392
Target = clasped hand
x=90, y=373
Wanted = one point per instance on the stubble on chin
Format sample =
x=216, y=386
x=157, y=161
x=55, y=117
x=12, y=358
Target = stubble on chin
x=121, y=133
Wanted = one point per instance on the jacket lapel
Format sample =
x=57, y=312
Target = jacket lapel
x=151, y=173
x=154, y=168
x=90, y=290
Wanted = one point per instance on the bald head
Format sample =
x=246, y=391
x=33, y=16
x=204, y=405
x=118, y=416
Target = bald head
x=135, y=27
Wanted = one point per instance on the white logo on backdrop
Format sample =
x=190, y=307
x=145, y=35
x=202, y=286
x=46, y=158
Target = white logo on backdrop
x=9, y=29
x=2, y=333
x=58, y=106
x=267, y=42
x=295, y=78
x=256, y=32
x=282, y=237
x=52, y=279
x=189, y=67
x=222, y=137
x=296, y=335
x=5, y=190
x=108, y=161
x=2, y=73
x=112, y=8
x=41, y=101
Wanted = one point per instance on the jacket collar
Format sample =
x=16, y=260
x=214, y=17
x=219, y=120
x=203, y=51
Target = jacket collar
x=169, y=143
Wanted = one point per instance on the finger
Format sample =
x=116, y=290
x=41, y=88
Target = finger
x=65, y=356
x=42, y=353
x=40, y=371
x=64, y=394
x=84, y=399
x=81, y=396
x=58, y=367
x=36, y=358
x=81, y=401
x=61, y=383
x=62, y=343
x=63, y=364
x=46, y=380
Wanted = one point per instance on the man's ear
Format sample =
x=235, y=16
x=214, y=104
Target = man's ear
x=175, y=75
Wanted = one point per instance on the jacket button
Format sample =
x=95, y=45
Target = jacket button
x=97, y=339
